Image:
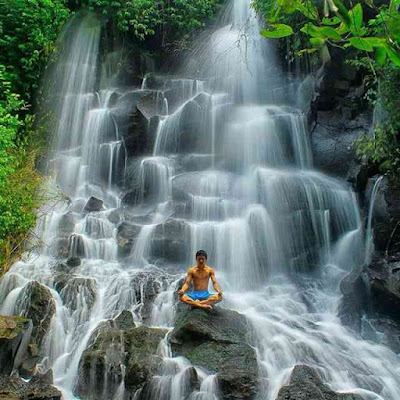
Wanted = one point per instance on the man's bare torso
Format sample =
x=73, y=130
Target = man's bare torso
x=200, y=277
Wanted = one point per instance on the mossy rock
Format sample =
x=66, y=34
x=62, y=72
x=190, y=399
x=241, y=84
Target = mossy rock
x=36, y=303
x=15, y=333
x=110, y=351
x=218, y=341
x=305, y=384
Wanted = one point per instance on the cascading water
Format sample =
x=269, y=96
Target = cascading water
x=230, y=172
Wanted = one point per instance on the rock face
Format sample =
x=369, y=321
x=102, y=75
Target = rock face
x=305, y=384
x=127, y=352
x=373, y=292
x=217, y=341
x=338, y=117
x=386, y=219
x=15, y=333
x=36, y=303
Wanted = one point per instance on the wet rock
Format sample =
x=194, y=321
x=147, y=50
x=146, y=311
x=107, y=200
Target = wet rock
x=143, y=360
x=218, y=341
x=104, y=358
x=15, y=333
x=197, y=162
x=124, y=321
x=146, y=288
x=354, y=302
x=93, y=204
x=126, y=235
x=386, y=218
x=73, y=262
x=134, y=129
x=36, y=303
x=60, y=247
x=28, y=366
x=305, y=384
x=66, y=224
x=77, y=293
x=38, y=388
x=111, y=350
x=115, y=216
x=169, y=241
x=384, y=280
x=332, y=142
x=370, y=304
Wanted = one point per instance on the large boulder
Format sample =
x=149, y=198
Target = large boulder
x=218, y=342
x=36, y=303
x=15, y=334
x=116, y=354
x=305, y=384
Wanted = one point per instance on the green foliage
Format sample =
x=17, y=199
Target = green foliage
x=330, y=23
x=28, y=29
x=383, y=148
x=145, y=17
x=18, y=179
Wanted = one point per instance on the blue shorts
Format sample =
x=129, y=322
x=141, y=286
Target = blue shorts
x=199, y=295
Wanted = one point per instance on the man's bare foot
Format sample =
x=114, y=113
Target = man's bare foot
x=205, y=306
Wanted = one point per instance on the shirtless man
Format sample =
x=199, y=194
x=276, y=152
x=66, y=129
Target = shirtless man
x=200, y=275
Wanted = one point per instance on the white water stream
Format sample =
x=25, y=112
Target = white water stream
x=265, y=217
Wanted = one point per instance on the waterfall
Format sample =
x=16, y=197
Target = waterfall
x=369, y=232
x=230, y=171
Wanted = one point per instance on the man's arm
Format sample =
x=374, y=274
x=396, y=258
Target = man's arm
x=186, y=284
x=215, y=283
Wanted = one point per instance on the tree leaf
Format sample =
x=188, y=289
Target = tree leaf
x=308, y=51
x=311, y=30
x=308, y=9
x=330, y=33
x=356, y=16
x=393, y=55
x=317, y=42
x=361, y=43
x=331, y=21
x=380, y=55
x=342, y=12
x=279, y=31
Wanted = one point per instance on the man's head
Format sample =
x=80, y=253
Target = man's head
x=201, y=257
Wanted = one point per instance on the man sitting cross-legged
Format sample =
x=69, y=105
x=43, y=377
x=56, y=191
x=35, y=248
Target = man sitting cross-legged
x=200, y=274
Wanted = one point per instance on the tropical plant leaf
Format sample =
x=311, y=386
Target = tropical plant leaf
x=311, y=30
x=331, y=21
x=393, y=55
x=361, y=43
x=317, y=42
x=279, y=31
x=356, y=16
x=330, y=33
x=342, y=12
x=380, y=55
x=306, y=51
x=308, y=9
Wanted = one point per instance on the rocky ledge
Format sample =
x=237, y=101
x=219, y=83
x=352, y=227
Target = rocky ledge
x=118, y=350
x=217, y=341
x=373, y=292
x=305, y=384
